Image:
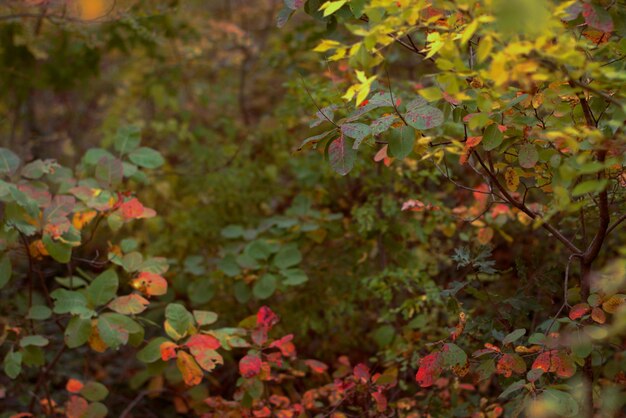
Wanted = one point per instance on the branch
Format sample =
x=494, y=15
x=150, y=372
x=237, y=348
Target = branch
x=569, y=244
x=616, y=224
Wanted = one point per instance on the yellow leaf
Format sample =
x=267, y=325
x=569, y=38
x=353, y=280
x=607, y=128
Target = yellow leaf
x=331, y=7
x=484, y=48
x=512, y=179
x=469, y=32
x=192, y=374
x=612, y=304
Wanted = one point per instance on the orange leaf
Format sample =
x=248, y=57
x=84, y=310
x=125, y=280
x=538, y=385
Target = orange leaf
x=598, y=315
x=578, y=311
x=76, y=407
x=555, y=361
x=168, y=350
x=509, y=364
x=74, y=385
x=192, y=374
x=150, y=284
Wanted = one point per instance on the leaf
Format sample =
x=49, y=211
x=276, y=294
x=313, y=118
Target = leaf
x=528, y=156
x=452, y=355
x=129, y=305
x=597, y=17
x=192, y=374
x=59, y=251
x=13, y=364
x=76, y=407
x=313, y=140
x=208, y=359
x=179, y=319
x=511, y=178
x=510, y=363
x=198, y=343
x=96, y=410
x=34, y=340
x=492, y=137
x=514, y=336
x=205, y=317
x=423, y=117
x=146, y=157
x=5, y=270
x=109, y=171
x=486, y=369
x=132, y=261
x=331, y=7
x=429, y=370
x=152, y=351
x=561, y=403
x=356, y=131
x=264, y=287
x=578, y=311
x=69, y=301
x=514, y=387
x=127, y=139
x=77, y=332
x=287, y=256
x=613, y=304
x=115, y=329
x=589, y=186
x=266, y=318
x=103, y=288
x=73, y=385
x=9, y=161
x=250, y=366
x=294, y=277
x=39, y=312
x=598, y=315
x=150, y=283
x=555, y=361
x=401, y=141
x=94, y=391
x=382, y=124
x=316, y=366
x=342, y=156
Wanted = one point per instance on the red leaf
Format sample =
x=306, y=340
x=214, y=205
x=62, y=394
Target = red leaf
x=198, y=343
x=285, y=346
x=417, y=206
x=76, y=407
x=74, y=385
x=151, y=284
x=316, y=366
x=250, y=366
x=362, y=372
x=510, y=363
x=381, y=400
x=598, y=18
x=578, y=311
x=266, y=318
x=555, y=361
x=429, y=370
x=168, y=350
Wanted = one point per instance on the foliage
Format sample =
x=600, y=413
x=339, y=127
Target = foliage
x=379, y=208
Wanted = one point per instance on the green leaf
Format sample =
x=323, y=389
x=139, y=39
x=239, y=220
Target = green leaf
x=294, y=277
x=242, y=291
x=96, y=410
x=152, y=351
x=258, y=249
x=287, y=256
x=423, y=117
x=528, y=156
x=561, y=403
x=127, y=139
x=39, y=312
x=233, y=231
x=178, y=318
x=589, y=186
x=514, y=336
x=492, y=137
x=109, y=171
x=13, y=364
x=5, y=270
x=115, y=329
x=229, y=266
x=264, y=287
x=34, y=340
x=146, y=157
x=356, y=131
x=103, y=288
x=60, y=251
x=341, y=156
x=94, y=391
x=513, y=388
x=69, y=301
x=9, y=161
x=132, y=261
x=401, y=141
x=205, y=317
x=452, y=355
x=77, y=332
